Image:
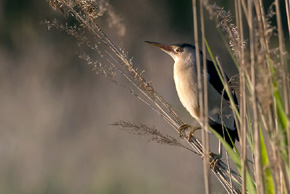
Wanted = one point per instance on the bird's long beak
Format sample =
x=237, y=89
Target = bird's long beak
x=167, y=48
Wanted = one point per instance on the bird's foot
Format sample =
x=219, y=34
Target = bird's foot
x=187, y=126
x=214, y=160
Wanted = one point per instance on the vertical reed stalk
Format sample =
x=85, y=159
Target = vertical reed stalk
x=284, y=85
x=242, y=96
x=205, y=136
x=287, y=5
x=201, y=97
x=257, y=150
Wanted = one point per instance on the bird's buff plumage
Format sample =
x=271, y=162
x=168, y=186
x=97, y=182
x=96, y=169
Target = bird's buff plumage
x=186, y=82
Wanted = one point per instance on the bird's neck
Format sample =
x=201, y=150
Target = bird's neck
x=186, y=64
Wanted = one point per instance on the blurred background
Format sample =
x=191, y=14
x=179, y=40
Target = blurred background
x=55, y=115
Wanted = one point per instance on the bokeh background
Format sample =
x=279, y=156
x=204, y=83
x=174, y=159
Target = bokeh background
x=56, y=114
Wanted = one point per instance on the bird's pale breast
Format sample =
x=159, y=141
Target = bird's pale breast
x=185, y=77
x=186, y=90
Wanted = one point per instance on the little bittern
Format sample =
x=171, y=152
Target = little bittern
x=221, y=118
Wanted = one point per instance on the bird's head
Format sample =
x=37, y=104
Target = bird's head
x=176, y=51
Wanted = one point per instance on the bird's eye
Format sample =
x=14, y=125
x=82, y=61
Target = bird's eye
x=178, y=50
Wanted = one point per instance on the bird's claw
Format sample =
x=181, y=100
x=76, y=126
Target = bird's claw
x=214, y=160
x=183, y=127
x=186, y=126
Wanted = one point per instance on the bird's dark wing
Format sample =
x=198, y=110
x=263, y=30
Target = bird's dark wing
x=215, y=81
x=228, y=134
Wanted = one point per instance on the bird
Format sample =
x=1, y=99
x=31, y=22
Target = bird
x=220, y=118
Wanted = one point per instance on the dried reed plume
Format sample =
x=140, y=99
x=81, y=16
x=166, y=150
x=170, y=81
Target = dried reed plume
x=153, y=133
